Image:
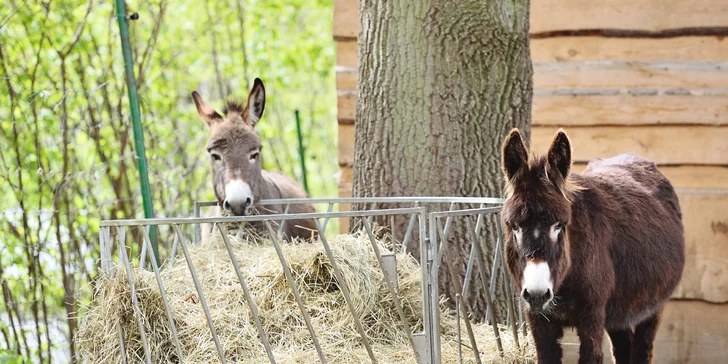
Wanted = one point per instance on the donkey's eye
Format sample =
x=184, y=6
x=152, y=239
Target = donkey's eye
x=556, y=230
x=254, y=157
x=216, y=157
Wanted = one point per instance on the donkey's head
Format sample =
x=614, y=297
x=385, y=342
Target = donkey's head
x=536, y=214
x=234, y=149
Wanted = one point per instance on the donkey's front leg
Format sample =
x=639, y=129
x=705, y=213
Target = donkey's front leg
x=591, y=333
x=546, y=336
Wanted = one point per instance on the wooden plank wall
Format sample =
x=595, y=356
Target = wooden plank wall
x=647, y=77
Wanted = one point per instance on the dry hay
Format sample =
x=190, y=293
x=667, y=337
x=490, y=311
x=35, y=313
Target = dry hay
x=99, y=341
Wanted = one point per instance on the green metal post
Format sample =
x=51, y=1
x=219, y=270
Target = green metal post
x=136, y=123
x=301, y=155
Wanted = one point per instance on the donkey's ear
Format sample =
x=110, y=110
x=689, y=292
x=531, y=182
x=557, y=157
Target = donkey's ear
x=559, y=157
x=515, y=156
x=256, y=103
x=206, y=111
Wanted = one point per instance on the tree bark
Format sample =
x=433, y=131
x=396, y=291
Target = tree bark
x=439, y=86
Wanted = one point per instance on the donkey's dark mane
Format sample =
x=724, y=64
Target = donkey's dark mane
x=233, y=107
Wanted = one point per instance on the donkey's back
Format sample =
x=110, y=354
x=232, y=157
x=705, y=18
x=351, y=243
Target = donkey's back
x=284, y=188
x=633, y=176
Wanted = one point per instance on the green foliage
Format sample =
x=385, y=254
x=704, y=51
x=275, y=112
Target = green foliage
x=66, y=150
x=9, y=357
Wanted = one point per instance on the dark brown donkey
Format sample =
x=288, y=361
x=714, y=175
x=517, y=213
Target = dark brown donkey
x=237, y=175
x=600, y=250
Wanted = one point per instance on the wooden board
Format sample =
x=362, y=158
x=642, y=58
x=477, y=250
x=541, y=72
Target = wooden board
x=630, y=75
x=698, y=145
x=346, y=144
x=691, y=332
x=595, y=48
x=347, y=175
x=346, y=106
x=688, y=177
x=560, y=15
x=647, y=15
x=706, y=246
x=584, y=110
x=666, y=145
x=346, y=78
x=681, y=177
x=346, y=53
x=568, y=110
x=346, y=19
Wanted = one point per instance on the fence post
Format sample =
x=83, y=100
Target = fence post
x=301, y=152
x=136, y=123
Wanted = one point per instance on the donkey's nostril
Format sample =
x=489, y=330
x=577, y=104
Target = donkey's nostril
x=226, y=205
x=248, y=201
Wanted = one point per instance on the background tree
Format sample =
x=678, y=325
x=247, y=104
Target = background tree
x=66, y=151
x=440, y=85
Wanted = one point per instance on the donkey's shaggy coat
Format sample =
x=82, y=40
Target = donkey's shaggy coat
x=600, y=250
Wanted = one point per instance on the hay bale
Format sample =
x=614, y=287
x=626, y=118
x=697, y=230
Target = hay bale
x=99, y=342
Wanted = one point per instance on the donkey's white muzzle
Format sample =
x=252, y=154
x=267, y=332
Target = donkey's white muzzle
x=238, y=197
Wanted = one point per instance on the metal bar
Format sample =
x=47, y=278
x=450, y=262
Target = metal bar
x=509, y=286
x=135, y=300
x=198, y=229
x=121, y=235
x=443, y=244
x=136, y=121
x=292, y=283
x=398, y=199
x=142, y=256
x=469, y=328
x=457, y=318
x=246, y=291
x=425, y=264
x=434, y=266
x=448, y=220
x=163, y=292
x=486, y=210
x=512, y=314
x=326, y=220
x=520, y=312
x=494, y=269
x=471, y=257
x=469, y=269
x=465, y=305
x=408, y=234
x=103, y=242
x=122, y=345
x=203, y=301
x=301, y=151
x=283, y=222
x=392, y=287
x=235, y=219
x=525, y=323
x=345, y=290
x=391, y=228
x=488, y=300
x=173, y=255
x=423, y=347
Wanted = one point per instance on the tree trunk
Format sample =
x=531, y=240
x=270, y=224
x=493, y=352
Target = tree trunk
x=440, y=85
